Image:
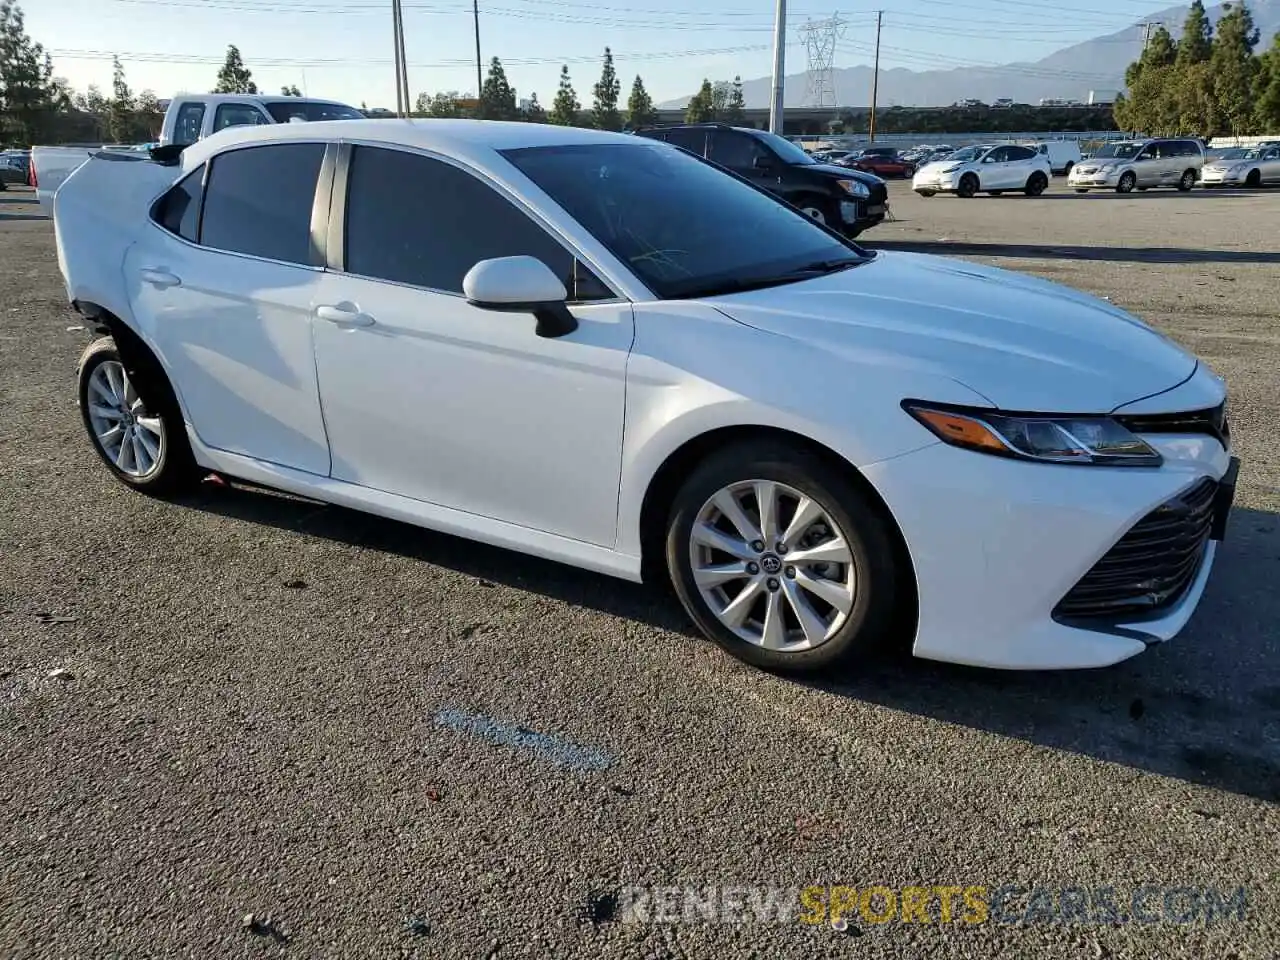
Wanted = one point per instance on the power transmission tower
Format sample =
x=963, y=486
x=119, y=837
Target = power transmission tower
x=820, y=39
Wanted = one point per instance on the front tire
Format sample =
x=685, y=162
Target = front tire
x=143, y=443
x=782, y=560
x=968, y=186
x=927, y=193
x=819, y=209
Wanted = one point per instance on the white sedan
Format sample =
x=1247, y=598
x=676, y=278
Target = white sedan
x=574, y=344
x=986, y=168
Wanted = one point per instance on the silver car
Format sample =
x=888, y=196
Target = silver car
x=1243, y=167
x=1140, y=164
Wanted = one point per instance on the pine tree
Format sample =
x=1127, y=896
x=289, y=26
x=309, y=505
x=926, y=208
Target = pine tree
x=234, y=76
x=290, y=90
x=640, y=112
x=1234, y=67
x=736, y=108
x=565, y=107
x=720, y=93
x=30, y=98
x=534, y=112
x=1193, y=90
x=701, y=108
x=497, y=96
x=150, y=115
x=604, y=107
x=1266, y=98
x=120, y=124
x=1150, y=106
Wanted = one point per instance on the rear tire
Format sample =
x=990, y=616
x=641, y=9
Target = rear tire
x=1187, y=181
x=791, y=615
x=1037, y=184
x=142, y=442
x=1127, y=182
x=1066, y=171
x=1082, y=189
x=1254, y=179
x=968, y=186
x=927, y=193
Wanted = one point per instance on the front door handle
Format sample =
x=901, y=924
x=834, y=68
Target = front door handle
x=344, y=315
x=159, y=277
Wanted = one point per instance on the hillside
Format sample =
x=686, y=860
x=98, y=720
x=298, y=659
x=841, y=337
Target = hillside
x=1096, y=64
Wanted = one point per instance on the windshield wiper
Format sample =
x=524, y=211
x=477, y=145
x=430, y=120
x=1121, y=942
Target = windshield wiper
x=742, y=284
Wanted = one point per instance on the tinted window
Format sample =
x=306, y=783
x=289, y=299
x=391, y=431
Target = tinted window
x=179, y=210
x=692, y=140
x=684, y=227
x=259, y=201
x=283, y=111
x=735, y=150
x=237, y=115
x=1020, y=153
x=186, y=128
x=421, y=221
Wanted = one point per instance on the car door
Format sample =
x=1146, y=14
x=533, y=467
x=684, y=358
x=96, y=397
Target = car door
x=428, y=397
x=1147, y=166
x=1270, y=165
x=224, y=284
x=1019, y=164
x=993, y=171
x=741, y=152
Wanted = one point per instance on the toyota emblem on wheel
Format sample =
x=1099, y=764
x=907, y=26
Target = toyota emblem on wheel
x=770, y=564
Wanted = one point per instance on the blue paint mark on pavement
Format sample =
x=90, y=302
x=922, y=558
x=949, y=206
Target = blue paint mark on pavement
x=558, y=751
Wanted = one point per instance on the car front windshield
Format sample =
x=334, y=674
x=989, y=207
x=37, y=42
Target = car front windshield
x=785, y=149
x=285, y=111
x=686, y=228
x=967, y=154
x=1118, y=151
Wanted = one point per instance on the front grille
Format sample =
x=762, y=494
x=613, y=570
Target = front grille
x=1151, y=566
x=879, y=193
x=1212, y=422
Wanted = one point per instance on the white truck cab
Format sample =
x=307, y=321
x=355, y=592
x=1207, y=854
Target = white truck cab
x=192, y=117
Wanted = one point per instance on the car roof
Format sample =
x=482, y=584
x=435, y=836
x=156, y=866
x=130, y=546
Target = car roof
x=251, y=98
x=473, y=139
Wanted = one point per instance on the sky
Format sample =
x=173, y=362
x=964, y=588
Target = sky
x=341, y=49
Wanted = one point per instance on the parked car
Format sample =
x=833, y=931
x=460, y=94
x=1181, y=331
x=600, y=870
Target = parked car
x=187, y=119
x=846, y=200
x=881, y=162
x=1243, y=167
x=1127, y=165
x=13, y=167
x=595, y=348
x=987, y=168
x=1062, y=154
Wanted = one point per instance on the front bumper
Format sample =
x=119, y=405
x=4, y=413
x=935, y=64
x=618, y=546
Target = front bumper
x=857, y=215
x=1215, y=178
x=935, y=183
x=997, y=544
x=1091, y=177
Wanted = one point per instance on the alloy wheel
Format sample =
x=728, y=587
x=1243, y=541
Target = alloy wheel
x=127, y=433
x=772, y=565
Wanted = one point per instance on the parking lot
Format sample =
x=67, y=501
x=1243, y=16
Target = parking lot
x=380, y=741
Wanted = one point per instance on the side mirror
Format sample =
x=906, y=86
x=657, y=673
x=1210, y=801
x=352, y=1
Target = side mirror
x=521, y=285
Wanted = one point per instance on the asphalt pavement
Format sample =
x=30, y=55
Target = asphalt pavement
x=244, y=724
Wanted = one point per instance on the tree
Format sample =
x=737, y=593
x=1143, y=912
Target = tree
x=701, y=107
x=720, y=93
x=534, y=112
x=640, y=112
x=565, y=107
x=497, y=96
x=441, y=105
x=150, y=115
x=120, y=121
x=1266, y=109
x=290, y=91
x=604, y=106
x=31, y=98
x=736, y=109
x=234, y=76
x=1234, y=67
x=1193, y=83
x=1150, y=106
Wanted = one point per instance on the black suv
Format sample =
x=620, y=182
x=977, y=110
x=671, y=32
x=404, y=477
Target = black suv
x=846, y=200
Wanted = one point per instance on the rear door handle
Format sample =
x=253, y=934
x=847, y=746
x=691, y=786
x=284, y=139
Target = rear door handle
x=159, y=277
x=344, y=315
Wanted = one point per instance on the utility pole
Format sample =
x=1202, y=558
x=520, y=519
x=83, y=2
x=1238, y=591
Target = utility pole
x=779, y=56
x=875, y=77
x=396, y=27
x=475, y=13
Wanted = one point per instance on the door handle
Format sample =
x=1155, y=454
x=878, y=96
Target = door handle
x=159, y=277
x=344, y=315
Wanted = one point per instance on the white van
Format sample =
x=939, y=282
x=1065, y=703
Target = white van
x=1062, y=154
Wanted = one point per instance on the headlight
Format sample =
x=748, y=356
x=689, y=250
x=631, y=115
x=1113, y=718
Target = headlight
x=855, y=188
x=1239, y=168
x=1106, y=167
x=1098, y=441
x=951, y=169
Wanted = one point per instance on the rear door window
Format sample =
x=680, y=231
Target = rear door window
x=259, y=200
x=737, y=151
x=695, y=141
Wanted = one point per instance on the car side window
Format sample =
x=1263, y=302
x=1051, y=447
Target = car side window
x=178, y=211
x=1019, y=153
x=694, y=141
x=237, y=115
x=734, y=150
x=258, y=201
x=998, y=155
x=186, y=128
x=1271, y=155
x=412, y=219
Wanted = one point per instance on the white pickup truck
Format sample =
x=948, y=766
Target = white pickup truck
x=188, y=118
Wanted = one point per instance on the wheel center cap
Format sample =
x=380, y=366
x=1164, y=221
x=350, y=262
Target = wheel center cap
x=769, y=563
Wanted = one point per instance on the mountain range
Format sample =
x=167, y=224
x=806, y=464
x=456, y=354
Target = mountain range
x=1070, y=73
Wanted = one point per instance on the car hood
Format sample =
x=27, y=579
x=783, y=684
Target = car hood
x=937, y=166
x=1024, y=343
x=843, y=173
